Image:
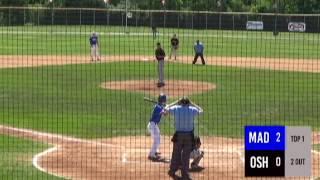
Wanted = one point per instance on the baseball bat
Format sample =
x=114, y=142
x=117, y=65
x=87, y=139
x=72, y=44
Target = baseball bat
x=150, y=100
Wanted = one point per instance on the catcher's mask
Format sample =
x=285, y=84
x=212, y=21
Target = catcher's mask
x=184, y=101
x=162, y=98
x=197, y=140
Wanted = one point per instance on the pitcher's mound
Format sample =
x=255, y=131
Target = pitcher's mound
x=173, y=88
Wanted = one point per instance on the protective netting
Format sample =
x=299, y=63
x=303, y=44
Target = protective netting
x=79, y=109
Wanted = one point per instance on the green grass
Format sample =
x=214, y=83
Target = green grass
x=16, y=159
x=316, y=147
x=68, y=99
x=73, y=40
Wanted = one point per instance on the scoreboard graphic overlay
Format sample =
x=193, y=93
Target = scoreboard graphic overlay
x=281, y=151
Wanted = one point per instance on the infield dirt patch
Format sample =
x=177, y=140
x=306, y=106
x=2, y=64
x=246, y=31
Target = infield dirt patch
x=284, y=64
x=173, y=88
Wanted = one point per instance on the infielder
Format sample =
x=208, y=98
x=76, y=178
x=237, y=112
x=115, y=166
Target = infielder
x=160, y=55
x=94, y=43
x=154, y=31
x=174, y=46
x=153, y=127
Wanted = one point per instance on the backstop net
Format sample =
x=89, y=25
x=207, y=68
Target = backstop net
x=100, y=94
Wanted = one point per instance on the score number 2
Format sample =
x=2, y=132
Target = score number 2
x=278, y=137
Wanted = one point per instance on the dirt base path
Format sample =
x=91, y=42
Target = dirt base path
x=300, y=65
x=125, y=157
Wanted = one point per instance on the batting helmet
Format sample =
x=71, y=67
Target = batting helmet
x=162, y=98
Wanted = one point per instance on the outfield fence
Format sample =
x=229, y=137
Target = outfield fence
x=13, y=16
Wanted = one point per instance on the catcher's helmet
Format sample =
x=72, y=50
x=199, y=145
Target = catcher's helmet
x=197, y=140
x=184, y=101
x=162, y=98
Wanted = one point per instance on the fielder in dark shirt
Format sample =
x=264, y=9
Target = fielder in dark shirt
x=174, y=46
x=154, y=31
x=160, y=55
x=174, y=41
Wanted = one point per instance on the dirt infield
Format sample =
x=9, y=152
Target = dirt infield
x=173, y=88
x=299, y=65
x=125, y=157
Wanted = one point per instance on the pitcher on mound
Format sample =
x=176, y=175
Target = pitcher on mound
x=160, y=55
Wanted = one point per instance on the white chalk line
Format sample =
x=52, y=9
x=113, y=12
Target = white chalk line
x=37, y=157
x=58, y=137
x=124, y=158
x=241, y=156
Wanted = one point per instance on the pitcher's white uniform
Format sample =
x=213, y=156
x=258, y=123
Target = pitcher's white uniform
x=94, y=43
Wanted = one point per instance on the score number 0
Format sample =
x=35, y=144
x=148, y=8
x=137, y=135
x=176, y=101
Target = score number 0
x=278, y=159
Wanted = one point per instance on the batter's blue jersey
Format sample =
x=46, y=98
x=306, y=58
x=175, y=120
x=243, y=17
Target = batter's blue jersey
x=93, y=40
x=157, y=113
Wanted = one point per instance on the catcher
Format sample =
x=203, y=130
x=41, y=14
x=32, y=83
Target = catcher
x=174, y=46
x=196, y=154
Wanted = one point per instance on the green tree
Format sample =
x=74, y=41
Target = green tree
x=301, y=6
x=13, y=3
x=237, y=6
x=84, y=3
x=264, y=6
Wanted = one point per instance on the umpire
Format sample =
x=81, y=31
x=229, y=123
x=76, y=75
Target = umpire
x=198, y=50
x=184, y=112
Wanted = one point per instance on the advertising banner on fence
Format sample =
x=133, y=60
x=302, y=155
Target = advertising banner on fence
x=254, y=25
x=297, y=26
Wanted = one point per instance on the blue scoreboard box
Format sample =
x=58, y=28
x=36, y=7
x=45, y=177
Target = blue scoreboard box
x=277, y=151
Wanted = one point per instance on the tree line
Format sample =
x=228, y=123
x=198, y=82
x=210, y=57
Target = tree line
x=256, y=6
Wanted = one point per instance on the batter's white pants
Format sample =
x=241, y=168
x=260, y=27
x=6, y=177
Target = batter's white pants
x=161, y=71
x=155, y=134
x=95, y=53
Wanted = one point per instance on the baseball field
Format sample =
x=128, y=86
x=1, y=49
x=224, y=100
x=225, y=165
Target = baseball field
x=63, y=116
